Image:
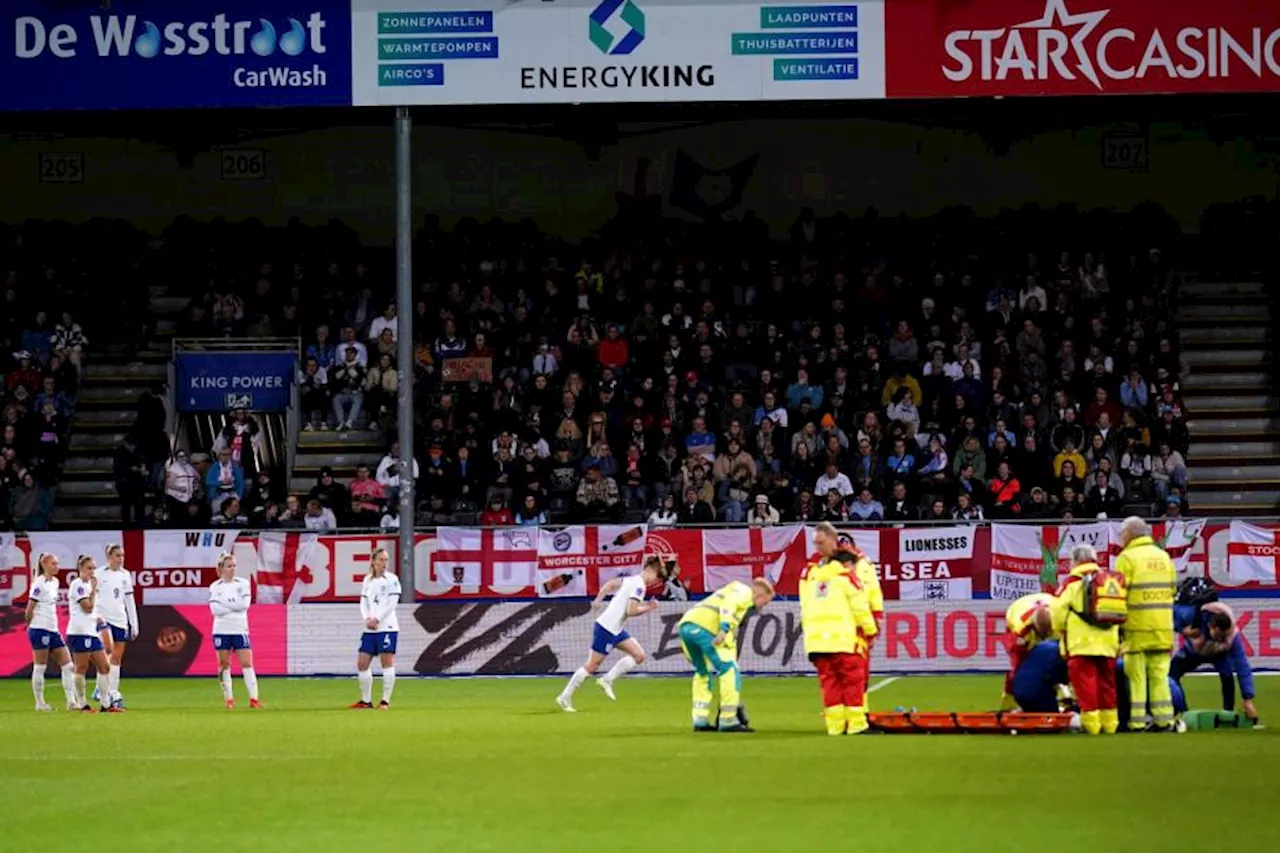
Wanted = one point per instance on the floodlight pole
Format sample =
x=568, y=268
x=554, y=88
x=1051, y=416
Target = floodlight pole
x=404, y=345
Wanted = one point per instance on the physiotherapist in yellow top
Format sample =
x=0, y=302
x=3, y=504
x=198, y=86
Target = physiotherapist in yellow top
x=1147, y=639
x=708, y=632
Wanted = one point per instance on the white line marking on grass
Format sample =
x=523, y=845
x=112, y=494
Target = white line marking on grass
x=873, y=688
x=182, y=757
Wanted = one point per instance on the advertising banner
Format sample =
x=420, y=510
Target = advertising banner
x=1252, y=553
x=410, y=52
x=151, y=54
x=551, y=637
x=943, y=48
x=1027, y=558
x=171, y=641
x=218, y=381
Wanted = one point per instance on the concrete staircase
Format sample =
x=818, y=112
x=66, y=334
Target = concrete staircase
x=341, y=451
x=1234, y=416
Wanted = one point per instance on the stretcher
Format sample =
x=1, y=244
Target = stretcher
x=948, y=722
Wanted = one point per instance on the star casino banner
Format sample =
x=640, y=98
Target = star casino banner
x=151, y=54
x=945, y=48
x=408, y=52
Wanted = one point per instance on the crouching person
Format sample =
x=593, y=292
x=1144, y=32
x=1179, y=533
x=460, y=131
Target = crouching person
x=1087, y=614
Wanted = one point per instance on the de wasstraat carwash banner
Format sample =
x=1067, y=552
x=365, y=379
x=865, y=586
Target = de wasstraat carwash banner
x=154, y=54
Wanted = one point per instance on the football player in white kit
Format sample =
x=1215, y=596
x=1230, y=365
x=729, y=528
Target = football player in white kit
x=119, y=611
x=42, y=631
x=379, y=595
x=82, y=631
x=229, y=600
x=608, y=633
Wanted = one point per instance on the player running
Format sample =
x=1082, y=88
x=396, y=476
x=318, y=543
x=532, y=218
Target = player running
x=42, y=631
x=119, y=611
x=379, y=595
x=628, y=600
x=82, y=631
x=229, y=598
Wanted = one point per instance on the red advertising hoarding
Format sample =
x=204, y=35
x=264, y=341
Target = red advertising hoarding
x=983, y=48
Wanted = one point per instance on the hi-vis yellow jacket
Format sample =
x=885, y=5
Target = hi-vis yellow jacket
x=1079, y=638
x=1020, y=618
x=835, y=613
x=865, y=572
x=723, y=609
x=1153, y=586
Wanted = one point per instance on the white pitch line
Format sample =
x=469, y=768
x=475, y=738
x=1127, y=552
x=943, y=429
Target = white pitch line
x=873, y=688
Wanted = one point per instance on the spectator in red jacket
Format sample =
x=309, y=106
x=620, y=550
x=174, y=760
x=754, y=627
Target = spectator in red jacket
x=1005, y=492
x=613, y=351
x=1102, y=403
x=497, y=513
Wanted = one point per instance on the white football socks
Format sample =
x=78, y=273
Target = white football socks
x=37, y=683
x=224, y=681
x=575, y=681
x=388, y=683
x=81, y=701
x=250, y=682
x=625, y=664
x=69, y=683
x=114, y=681
x=365, y=676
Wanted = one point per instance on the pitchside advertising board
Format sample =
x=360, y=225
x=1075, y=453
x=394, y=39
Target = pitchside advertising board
x=218, y=381
x=570, y=51
x=153, y=54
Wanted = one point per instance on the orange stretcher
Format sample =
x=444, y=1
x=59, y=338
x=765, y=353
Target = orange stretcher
x=947, y=722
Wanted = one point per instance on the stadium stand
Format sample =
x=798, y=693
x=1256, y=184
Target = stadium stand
x=1040, y=363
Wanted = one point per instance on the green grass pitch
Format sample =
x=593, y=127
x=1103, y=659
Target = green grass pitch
x=480, y=765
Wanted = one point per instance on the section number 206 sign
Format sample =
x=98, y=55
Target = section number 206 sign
x=243, y=164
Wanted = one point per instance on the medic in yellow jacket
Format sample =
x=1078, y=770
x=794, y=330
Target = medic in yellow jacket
x=1148, y=638
x=1029, y=623
x=1090, y=649
x=708, y=633
x=835, y=615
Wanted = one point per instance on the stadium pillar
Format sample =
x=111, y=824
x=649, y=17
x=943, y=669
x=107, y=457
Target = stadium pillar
x=404, y=344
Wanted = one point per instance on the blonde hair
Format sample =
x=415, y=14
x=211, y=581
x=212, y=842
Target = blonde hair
x=373, y=555
x=114, y=546
x=81, y=560
x=224, y=557
x=44, y=555
x=764, y=586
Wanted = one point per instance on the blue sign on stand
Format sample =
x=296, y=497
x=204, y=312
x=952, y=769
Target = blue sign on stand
x=218, y=381
x=157, y=54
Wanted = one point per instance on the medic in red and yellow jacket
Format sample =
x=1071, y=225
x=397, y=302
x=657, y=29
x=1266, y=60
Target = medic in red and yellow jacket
x=1090, y=650
x=835, y=615
x=1029, y=623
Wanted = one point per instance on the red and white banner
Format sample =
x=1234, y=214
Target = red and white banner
x=1178, y=538
x=501, y=562
x=302, y=567
x=916, y=563
x=177, y=565
x=1252, y=553
x=945, y=48
x=575, y=560
x=1026, y=558
x=776, y=553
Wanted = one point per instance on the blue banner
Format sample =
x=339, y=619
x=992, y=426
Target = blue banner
x=157, y=54
x=218, y=381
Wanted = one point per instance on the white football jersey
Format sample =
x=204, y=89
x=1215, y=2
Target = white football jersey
x=615, y=612
x=114, y=587
x=229, y=601
x=44, y=592
x=377, y=596
x=81, y=624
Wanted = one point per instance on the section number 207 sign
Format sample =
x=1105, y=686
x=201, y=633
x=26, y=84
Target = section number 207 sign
x=243, y=164
x=1125, y=152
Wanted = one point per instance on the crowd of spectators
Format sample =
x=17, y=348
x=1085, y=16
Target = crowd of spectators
x=686, y=373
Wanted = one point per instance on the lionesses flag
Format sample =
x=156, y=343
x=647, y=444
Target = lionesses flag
x=1252, y=553
x=179, y=564
x=577, y=559
x=776, y=553
x=1027, y=558
x=472, y=562
x=1176, y=537
x=913, y=564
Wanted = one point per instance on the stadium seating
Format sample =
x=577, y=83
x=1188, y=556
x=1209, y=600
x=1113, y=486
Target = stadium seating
x=874, y=360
